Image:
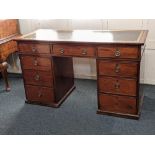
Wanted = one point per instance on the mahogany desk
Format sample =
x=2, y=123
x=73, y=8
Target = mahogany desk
x=46, y=61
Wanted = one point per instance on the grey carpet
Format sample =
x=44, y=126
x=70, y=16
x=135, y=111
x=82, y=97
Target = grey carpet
x=77, y=115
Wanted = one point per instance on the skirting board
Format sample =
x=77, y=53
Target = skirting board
x=149, y=81
x=85, y=76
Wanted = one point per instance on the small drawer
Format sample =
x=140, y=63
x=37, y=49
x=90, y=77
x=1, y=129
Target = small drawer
x=40, y=78
x=39, y=94
x=117, y=68
x=117, y=104
x=34, y=48
x=81, y=51
x=117, y=86
x=118, y=52
x=35, y=63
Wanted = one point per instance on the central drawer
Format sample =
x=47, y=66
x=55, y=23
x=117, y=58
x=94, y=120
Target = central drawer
x=120, y=86
x=81, y=51
x=35, y=63
x=118, y=68
x=40, y=78
x=39, y=94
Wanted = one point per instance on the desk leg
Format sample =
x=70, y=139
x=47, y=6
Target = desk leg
x=5, y=76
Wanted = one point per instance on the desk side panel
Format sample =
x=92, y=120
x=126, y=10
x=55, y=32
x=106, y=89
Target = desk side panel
x=63, y=76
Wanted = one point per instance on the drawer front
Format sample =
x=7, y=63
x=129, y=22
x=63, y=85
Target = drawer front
x=40, y=78
x=34, y=48
x=117, y=68
x=117, y=86
x=118, y=52
x=40, y=94
x=117, y=104
x=36, y=63
x=81, y=51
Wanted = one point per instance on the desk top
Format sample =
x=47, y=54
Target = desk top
x=87, y=36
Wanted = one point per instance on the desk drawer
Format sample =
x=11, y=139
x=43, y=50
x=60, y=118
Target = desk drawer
x=118, y=52
x=117, y=86
x=36, y=63
x=34, y=48
x=39, y=94
x=118, y=68
x=81, y=51
x=117, y=104
x=40, y=78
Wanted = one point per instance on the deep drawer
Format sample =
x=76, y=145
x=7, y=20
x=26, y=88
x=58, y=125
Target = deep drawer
x=118, y=52
x=40, y=78
x=34, y=48
x=117, y=86
x=81, y=51
x=39, y=94
x=117, y=104
x=36, y=63
x=118, y=68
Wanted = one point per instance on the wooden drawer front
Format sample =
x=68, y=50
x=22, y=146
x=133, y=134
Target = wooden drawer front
x=36, y=63
x=118, y=52
x=40, y=78
x=40, y=94
x=82, y=51
x=34, y=48
x=117, y=86
x=6, y=49
x=117, y=68
x=117, y=104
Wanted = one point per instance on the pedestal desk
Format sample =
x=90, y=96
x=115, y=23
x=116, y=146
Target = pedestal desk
x=47, y=66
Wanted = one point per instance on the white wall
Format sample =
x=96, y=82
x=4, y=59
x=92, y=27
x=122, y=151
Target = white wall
x=86, y=68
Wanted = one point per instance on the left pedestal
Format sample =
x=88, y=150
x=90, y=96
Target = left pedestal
x=45, y=78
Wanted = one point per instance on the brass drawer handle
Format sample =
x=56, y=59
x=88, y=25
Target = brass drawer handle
x=129, y=107
x=117, y=53
x=40, y=94
x=117, y=85
x=117, y=68
x=62, y=50
x=37, y=77
x=34, y=49
x=35, y=62
x=84, y=51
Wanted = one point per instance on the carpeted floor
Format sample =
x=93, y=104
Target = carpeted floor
x=76, y=116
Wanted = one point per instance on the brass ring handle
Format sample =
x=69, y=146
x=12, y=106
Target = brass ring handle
x=62, y=50
x=37, y=77
x=35, y=62
x=117, y=53
x=117, y=85
x=129, y=107
x=34, y=49
x=117, y=68
x=84, y=51
x=40, y=94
